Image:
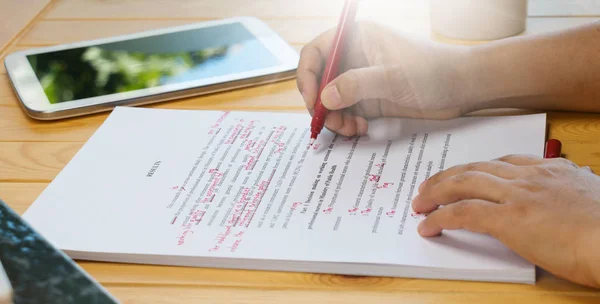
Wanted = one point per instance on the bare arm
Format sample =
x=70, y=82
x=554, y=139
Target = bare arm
x=555, y=71
x=390, y=74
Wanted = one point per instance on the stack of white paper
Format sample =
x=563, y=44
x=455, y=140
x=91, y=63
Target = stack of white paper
x=242, y=190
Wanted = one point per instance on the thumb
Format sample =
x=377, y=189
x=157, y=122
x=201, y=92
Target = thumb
x=355, y=85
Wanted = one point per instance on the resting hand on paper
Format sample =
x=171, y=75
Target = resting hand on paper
x=546, y=210
x=383, y=74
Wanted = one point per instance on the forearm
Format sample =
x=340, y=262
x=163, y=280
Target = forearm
x=589, y=253
x=556, y=71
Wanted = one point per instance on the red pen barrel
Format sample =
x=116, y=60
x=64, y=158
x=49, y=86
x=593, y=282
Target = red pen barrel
x=332, y=66
x=553, y=148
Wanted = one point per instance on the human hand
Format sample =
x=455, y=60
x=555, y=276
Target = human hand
x=384, y=74
x=546, y=210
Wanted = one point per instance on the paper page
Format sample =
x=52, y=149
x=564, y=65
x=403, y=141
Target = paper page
x=245, y=185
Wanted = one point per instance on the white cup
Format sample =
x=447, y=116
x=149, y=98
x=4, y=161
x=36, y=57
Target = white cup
x=478, y=19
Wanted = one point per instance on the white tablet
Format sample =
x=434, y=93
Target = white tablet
x=92, y=76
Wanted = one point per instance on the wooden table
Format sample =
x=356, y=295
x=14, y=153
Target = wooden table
x=33, y=152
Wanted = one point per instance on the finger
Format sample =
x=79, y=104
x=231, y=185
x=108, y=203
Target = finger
x=528, y=160
x=560, y=161
x=334, y=121
x=468, y=185
x=353, y=125
x=497, y=168
x=348, y=127
x=346, y=124
x=310, y=66
x=478, y=216
x=307, y=78
x=521, y=159
x=356, y=85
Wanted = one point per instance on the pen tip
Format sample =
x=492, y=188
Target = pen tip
x=312, y=141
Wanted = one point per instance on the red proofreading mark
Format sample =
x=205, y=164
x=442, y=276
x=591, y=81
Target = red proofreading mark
x=391, y=213
x=280, y=147
x=418, y=214
x=385, y=185
x=366, y=211
x=374, y=178
x=316, y=146
x=328, y=210
x=174, y=188
x=353, y=210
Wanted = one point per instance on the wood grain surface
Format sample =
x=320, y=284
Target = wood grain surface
x=32, y=153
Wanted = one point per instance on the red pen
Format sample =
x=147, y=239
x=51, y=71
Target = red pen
x=553, y=148
x=332, y=66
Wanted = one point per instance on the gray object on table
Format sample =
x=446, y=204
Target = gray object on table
x=38, y=272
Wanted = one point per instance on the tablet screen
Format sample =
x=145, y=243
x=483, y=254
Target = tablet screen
x=149, y=62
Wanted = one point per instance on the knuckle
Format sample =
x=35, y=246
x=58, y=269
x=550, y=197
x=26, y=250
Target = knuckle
x=530, y=184
x=335, y=128
x=349, y=84
x=565, y=163
x=508, y=158
x=519, y=211
x=466, y=177
x=345, y=132
x=469, y=218
x=432, y=180
x=498, y=163
x=306, y=53
x=462, y=209
x=458, y=179
x=473, y=166
x=303, y=52
x=543, y=171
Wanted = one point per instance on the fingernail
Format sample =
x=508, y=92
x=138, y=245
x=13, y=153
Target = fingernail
x=423, y=230
x=330, y=97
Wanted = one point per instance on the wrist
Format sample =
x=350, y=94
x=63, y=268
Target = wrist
x=484, y=82
x=503, y=74
x=456, y=64
x=590, y=256
x=469, y=87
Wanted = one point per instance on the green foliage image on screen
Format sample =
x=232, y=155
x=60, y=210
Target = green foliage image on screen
x=103, y=72
x=151, y=61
